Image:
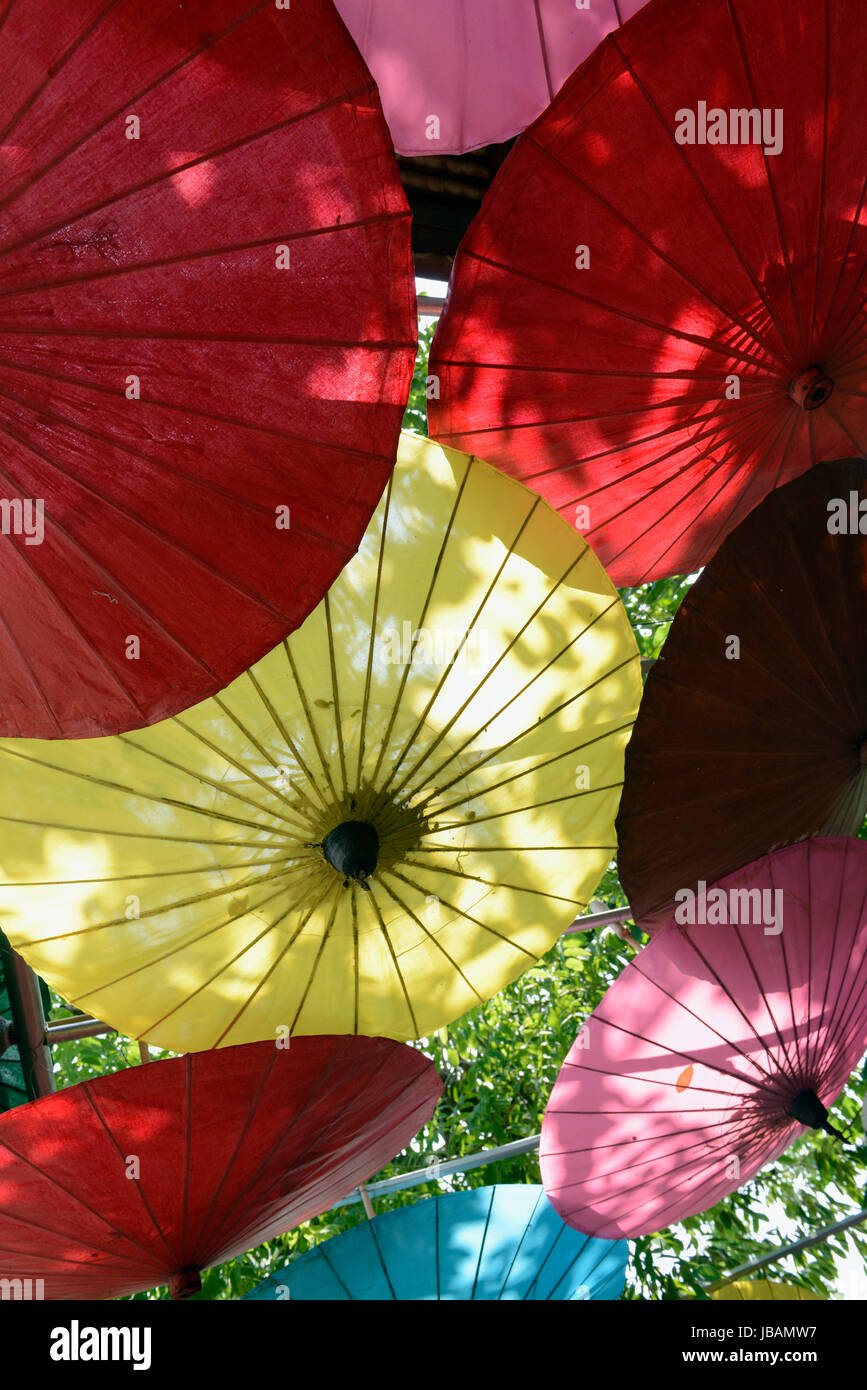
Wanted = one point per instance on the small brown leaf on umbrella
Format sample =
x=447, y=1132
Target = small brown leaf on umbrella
x=684, y=1081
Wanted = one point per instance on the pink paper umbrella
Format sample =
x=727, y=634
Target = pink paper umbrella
x=719, y=1043
x=466, y=73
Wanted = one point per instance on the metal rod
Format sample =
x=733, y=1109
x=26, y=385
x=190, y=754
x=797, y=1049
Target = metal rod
x=436, y=1169
x=71, y=1029
x=429, y=307
x=600, y=919
x=28, y=1021
x=791, y=1249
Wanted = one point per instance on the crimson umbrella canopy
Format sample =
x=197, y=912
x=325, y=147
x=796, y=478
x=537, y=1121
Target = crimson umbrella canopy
x=207, y=336
x=716, y=1046
x=752, y=730
x=149, y=1176
x=654, y=333
x=475, y=72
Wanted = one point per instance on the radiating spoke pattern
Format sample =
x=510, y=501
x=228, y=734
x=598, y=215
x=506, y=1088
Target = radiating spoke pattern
x=754, y=718
x=207, y=336
x=167, y=1169
x=648, y=353
x=467, y=688
x=491, y=1243
x=680, y=1085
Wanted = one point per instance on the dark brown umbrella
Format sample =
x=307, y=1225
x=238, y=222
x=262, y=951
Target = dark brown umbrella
x=752, y=732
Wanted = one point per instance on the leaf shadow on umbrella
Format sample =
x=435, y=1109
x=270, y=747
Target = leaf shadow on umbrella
x=607, y=387
x=259, y=390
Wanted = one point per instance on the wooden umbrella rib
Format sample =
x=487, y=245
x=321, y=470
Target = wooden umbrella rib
x=374, y=621
x=165, y=175
x=224, y=789
x=283, y=731
x=114, y=272
x=311, y=724
x=423, y=716
x=420, y=625
x=139, y=521
x=446, y=728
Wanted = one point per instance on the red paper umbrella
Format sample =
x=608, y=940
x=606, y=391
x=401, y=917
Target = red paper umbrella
x=659, y=314
x=752, y=731
x=716, y=1046
x=206, y=344
x=148, y=1176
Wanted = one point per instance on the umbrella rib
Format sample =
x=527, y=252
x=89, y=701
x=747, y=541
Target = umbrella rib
x=188, y=409
x=445, y=729
x=431, y=936
x=61, y=607
x=72, y=48
x=167, y=335
x=374, y=619
x=502, y=883
x=717, y=216
x=311, y=724
x=453, y=907
x=140, y=522
x=696, y=1060
x=166, y=175
x=255, y=1101
x=223, y=788
x=420, y=722
x=335, y=693
x=425, y=605
x=414, y=1024
x=266, y=756
x=480, y=1252
x=45, y=287
x=153, y=873
x=745, y=426
x=543, y=47
x=123, y=834
x=336, y=888
x=516, y=776
x=237, y=499
x=283, y=731
x=666, y=330
x=263, y=979
x=820, y=213
x=521, y=810
x=248, y=945
x=640, y=237
x=212, y=814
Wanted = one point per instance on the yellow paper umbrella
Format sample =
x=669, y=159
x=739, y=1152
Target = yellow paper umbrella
x=379, y=825
x=764, y=1291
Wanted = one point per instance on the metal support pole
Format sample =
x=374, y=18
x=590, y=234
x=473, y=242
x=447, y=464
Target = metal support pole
x=28, y=1022
x=71, y=1029
x=792, y=1249
x=600, y=919
x=436, y=1169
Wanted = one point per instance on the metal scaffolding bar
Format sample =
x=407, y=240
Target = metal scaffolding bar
x=28, y=1023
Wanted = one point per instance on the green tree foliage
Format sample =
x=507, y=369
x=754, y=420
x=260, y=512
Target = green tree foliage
x=499, y=1063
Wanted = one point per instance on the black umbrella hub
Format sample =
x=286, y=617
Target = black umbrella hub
x=352, y=848
x=812, y=388
x=808, y=1110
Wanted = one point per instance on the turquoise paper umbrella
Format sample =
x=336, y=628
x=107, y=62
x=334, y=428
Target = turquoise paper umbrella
x=493, y=1242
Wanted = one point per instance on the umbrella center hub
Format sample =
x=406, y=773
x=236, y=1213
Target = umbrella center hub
x=808, y=1110
x=812, y=388
x=352, y=848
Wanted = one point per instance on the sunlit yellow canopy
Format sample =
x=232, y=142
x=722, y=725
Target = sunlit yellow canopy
x=467, y=689
x=765, y=1291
